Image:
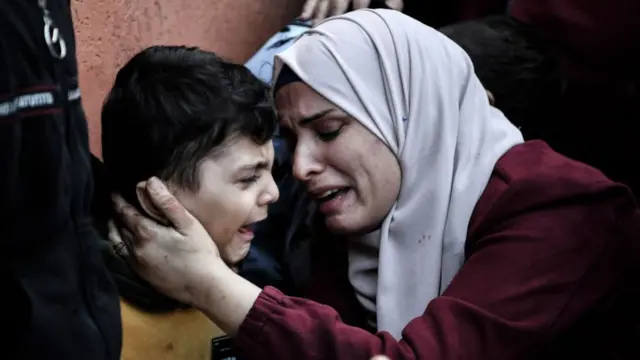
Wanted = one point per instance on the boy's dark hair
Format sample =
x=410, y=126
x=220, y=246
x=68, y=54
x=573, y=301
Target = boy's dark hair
x=170, y=107
x=515, y=66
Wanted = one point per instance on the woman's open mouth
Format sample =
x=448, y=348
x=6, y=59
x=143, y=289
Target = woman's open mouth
x=332, y=200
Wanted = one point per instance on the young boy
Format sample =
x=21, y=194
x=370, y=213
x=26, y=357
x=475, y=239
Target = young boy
x=204, y=126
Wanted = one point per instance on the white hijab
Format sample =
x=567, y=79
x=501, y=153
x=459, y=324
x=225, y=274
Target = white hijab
x=417, y=92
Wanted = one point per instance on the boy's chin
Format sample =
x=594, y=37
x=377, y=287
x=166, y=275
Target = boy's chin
x=233, y=265
x=234, y=259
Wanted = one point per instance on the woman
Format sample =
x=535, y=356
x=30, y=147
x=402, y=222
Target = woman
x=445, y=233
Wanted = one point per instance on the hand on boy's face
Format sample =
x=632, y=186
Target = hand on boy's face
x=172, y=258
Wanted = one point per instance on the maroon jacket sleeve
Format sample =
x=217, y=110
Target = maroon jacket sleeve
x=538, y=259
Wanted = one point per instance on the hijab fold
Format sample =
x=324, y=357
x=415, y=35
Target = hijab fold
x=417, y=92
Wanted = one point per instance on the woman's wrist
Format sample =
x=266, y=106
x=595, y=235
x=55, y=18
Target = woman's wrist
x=225, y=297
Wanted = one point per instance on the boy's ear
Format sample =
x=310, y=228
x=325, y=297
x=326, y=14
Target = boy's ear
x=147, y=205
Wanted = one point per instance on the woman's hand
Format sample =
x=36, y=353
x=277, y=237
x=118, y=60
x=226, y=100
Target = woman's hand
x=181, y=260
x=174, y=258
x=318, y=10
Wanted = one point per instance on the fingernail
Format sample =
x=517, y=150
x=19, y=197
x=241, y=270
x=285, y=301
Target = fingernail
x=155, y=185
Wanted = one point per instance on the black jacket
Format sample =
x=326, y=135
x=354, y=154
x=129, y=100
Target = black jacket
x=57, y=298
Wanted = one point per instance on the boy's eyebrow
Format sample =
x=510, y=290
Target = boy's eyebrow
x=259, y=165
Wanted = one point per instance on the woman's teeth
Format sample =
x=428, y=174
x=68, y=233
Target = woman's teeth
x=328, y=193
x=331, y=194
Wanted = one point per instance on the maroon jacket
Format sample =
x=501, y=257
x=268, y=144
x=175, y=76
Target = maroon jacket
x=551, y=272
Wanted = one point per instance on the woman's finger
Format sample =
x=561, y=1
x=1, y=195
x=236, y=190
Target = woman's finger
x=339, y=7
x=380, y=357
x=395, y=4
x=321, y=11
x=361, y=4
x=114, y=234
x=119, y=245
x=140, y=226
x=308, y=9
x=169, y=206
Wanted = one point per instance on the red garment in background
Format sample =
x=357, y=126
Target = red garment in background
x=598, y=42
x=551, y=273
x=596, y=38
x=590, y=35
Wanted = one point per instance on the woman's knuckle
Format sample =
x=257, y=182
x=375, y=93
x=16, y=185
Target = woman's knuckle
x=141, y=231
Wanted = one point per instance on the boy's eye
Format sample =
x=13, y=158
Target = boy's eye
x=250, y=180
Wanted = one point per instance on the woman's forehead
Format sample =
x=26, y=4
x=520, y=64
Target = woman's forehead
x=297, y=101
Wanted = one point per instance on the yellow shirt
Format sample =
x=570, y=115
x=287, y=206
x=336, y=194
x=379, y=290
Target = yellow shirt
x=178, y=335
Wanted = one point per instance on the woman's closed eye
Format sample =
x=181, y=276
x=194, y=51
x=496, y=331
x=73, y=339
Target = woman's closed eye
x=329, y=130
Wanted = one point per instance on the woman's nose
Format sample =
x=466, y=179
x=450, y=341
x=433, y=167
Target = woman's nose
x=305, y=164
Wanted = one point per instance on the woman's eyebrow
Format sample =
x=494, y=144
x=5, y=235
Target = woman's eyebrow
x=306, y=120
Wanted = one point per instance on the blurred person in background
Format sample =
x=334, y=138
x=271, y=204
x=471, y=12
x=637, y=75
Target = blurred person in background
x=59, y=299
x=597, y=45
x=517, y=68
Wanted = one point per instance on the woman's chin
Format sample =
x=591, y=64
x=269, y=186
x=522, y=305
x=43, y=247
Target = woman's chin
x=340, y=225
x=345, y=225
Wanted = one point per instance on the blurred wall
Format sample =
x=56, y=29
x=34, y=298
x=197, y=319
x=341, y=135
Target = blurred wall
x=109, y=32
